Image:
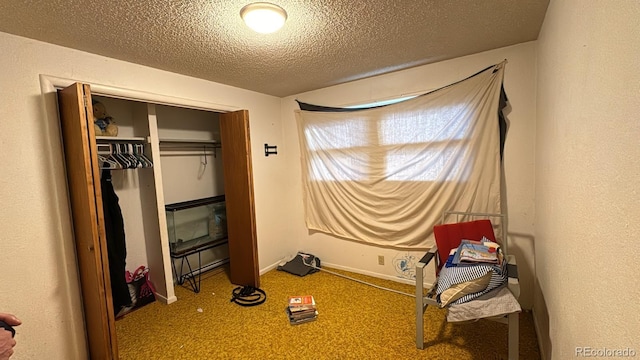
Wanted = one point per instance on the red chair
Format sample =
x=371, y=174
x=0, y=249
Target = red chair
x=448, y=236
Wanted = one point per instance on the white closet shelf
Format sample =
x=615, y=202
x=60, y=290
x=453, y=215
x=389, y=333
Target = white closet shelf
x=120, y=139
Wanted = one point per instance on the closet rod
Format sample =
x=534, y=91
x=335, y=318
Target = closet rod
x=189, y=144
x=189, y=141
x=194, y=152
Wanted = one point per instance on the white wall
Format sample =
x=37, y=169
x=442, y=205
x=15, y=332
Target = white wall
x=587, y=176
x=39, y=281
x=187, y=174
x=519, y=84
x=192, y=173
x=583, y=173
x=127, y=183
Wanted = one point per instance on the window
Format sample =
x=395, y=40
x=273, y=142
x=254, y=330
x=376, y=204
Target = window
x=417, y=145
x=385, y=174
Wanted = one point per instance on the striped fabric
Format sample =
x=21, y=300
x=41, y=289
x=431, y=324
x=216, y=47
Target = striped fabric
x=450, y=276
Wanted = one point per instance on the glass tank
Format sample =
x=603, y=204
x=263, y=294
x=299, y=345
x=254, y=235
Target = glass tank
x=196, y=224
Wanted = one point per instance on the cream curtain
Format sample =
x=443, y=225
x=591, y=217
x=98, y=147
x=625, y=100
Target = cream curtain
x=384, y=175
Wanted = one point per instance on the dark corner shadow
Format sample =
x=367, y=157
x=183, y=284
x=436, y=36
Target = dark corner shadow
x=505, y=112
x=541, y=321
x=531, y=287
x=522, y=246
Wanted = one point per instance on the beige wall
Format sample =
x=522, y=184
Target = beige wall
x=579, y=184
x=587, y=176
x=519, y=84
x=39, y=282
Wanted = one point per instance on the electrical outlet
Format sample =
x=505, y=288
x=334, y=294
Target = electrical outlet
x=380, y=259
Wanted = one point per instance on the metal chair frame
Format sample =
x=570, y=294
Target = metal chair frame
x=423, y=301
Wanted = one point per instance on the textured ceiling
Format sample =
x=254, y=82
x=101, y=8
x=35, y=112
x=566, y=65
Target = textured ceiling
x=323, y=42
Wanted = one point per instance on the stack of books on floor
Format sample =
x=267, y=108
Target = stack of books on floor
x=301, y=309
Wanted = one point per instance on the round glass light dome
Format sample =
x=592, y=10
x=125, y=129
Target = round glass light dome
x=263, y=17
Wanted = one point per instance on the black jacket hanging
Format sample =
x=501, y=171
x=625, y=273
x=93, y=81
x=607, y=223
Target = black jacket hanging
x=116, y=244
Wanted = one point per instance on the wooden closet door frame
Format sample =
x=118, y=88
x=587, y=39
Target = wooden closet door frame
x=83, y=177
x=82, y=169
x=240, y=204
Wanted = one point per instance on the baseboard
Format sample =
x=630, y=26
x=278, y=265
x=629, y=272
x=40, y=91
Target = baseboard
x=374, y=274
x=270, y=267
x=411, y=282
x=537, y=328
x=165, y=299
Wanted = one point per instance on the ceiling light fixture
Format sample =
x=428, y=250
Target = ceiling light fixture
x=263, y=17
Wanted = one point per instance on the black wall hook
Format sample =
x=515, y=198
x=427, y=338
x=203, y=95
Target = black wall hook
x=270, y=149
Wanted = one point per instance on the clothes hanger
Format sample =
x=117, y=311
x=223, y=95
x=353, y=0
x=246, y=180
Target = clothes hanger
x=129, y=153
x=107, y=163
x=117, y=156
x=112, y=160
x=131, y=161
x=139, y=152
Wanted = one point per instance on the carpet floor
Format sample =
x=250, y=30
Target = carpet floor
x=355, y=321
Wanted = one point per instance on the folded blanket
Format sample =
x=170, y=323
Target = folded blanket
x=498, y=302
x=477, y=253
x=470, y=252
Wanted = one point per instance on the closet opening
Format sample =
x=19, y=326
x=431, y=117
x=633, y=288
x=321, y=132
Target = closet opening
x=200, y=168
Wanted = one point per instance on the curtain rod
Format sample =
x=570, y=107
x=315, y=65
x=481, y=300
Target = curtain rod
x=410, y=94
